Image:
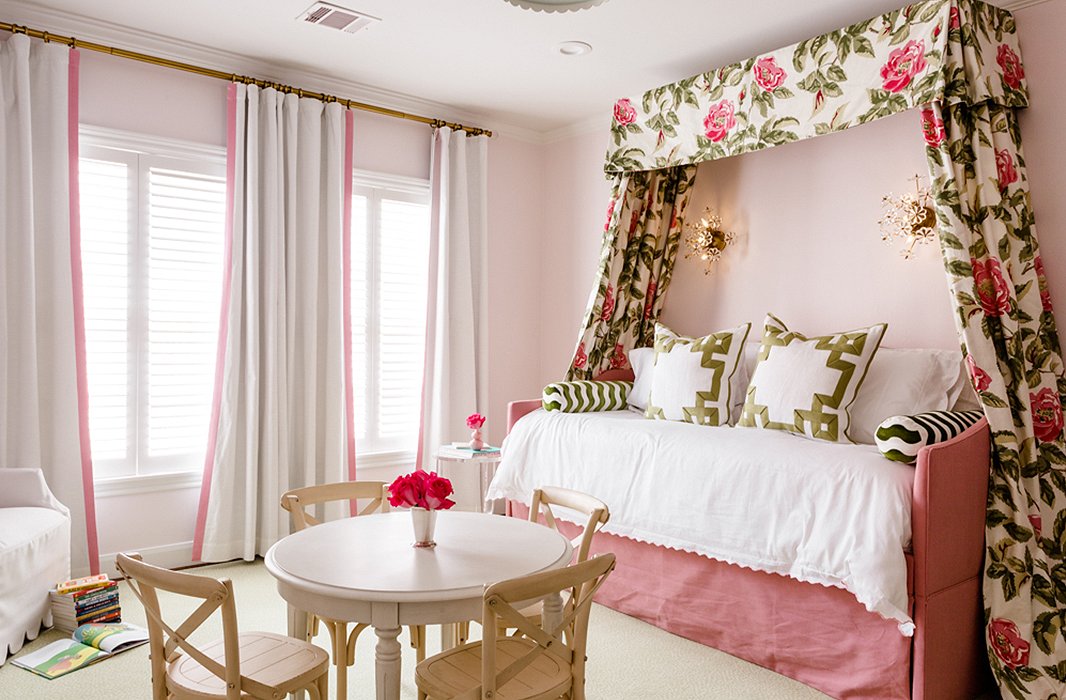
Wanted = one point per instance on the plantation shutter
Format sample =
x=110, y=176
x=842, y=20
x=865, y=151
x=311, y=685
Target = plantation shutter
x=108, y=211
x=186, y=234
x=153, y=230
x=402, y=301
x=390, y=248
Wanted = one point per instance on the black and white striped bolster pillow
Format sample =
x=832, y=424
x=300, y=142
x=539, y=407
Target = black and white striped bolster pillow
x=900, y=437
x=583, y=396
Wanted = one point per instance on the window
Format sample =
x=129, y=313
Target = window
x=390, y=256
x=152, y=231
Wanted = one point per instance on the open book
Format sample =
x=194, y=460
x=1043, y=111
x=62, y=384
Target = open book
x=89, y=644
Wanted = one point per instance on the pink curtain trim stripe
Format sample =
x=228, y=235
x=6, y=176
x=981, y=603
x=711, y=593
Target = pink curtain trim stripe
x=431, y=297
x=220, y=357
x=79, y=315
x=349, y=389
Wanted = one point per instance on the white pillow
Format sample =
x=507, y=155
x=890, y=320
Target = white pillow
x=642, y=360
x=691, y=381
x=904, y=382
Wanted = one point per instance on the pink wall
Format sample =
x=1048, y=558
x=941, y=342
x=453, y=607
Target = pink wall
x=806, y=215
x=1041, y=28
x=808, y=245
x=574, y=210
x=516, y=243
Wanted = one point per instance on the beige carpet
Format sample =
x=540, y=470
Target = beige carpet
x=627, y=658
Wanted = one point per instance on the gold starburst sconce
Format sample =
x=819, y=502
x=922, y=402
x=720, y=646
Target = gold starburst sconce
x=706, y=239
x=908, y=218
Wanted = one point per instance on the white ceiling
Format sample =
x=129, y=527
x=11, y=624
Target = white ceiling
x=483, y=61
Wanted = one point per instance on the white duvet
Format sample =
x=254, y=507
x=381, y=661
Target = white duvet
x=831, y=514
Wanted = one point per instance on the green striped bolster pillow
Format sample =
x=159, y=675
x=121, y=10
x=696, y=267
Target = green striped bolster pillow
x=585, y=396
x=900, y=437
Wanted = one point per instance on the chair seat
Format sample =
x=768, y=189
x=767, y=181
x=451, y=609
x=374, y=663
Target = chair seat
x=273, y=664
x=456, y=671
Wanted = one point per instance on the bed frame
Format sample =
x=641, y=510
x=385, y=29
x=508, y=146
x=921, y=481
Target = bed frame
x=823, y=636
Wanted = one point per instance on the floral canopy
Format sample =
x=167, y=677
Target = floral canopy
x=939, y=51
x=958, y=62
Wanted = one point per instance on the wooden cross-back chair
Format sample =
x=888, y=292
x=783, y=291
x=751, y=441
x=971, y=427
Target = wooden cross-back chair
x=535, y=663
x=376, y=493
x=595, y=511
x=251, y=665
x=596, y=515
x=297, y=501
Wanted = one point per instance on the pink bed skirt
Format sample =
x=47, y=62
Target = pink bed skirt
x=820, y=636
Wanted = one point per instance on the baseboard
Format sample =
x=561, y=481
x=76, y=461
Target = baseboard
x=168, y=556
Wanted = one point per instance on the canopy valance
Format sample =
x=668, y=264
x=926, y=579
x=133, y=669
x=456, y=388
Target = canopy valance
x=945, y=51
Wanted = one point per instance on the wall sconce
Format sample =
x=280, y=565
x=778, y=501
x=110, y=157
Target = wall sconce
x=707, y=240
x=909, y=218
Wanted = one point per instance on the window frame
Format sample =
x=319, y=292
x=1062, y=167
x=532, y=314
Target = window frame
x=142, y=152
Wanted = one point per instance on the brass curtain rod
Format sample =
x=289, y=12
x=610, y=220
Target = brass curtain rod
x=233, y=77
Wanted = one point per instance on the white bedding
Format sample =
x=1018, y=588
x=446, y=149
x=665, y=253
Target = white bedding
x=832, y=514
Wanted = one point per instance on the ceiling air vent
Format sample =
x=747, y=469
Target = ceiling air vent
x=334, y=17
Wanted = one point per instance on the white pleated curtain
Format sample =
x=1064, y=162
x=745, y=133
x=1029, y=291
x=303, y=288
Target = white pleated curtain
x=455, y=383
x=280, y=397
x=43, y=391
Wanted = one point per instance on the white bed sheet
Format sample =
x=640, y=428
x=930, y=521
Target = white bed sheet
x=831, y=514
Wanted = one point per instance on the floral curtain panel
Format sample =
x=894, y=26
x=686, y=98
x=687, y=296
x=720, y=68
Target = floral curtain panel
x=640, y=241
x=1008, y=333
x=960, y=62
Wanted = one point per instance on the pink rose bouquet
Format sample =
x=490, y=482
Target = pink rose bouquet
x=421, y=489
x=474, y=421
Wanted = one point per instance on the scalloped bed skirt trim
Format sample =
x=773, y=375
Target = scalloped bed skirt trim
x=820, y=636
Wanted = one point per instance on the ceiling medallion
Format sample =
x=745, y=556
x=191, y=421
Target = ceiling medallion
x=555, y=5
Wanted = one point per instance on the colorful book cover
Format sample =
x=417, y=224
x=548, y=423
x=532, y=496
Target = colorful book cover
x=89, y=644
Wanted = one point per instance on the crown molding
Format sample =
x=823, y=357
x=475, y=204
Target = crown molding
x=598, y=123
x=91, y=29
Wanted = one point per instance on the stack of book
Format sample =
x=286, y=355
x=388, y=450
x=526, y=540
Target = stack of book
x=83, y=601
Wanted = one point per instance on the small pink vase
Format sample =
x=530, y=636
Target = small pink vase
x=476, y=443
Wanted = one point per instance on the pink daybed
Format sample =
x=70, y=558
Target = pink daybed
x=823, y=636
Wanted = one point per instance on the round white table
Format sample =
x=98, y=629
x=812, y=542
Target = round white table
x=365, y=570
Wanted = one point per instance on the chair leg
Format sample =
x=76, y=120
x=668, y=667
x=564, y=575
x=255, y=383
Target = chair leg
x=322, y=685
x=418, y=641
x=338, y=633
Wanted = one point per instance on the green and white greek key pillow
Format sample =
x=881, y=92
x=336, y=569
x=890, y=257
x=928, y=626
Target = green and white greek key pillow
x=585, y=396
x=806, y=385
x=691, y=378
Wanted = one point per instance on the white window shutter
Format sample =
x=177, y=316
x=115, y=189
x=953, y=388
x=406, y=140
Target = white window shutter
x=153, y=229
x=107, y=206
x=186, y=233
x=390, y=250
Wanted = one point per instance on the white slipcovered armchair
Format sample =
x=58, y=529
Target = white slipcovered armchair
x=34, y=555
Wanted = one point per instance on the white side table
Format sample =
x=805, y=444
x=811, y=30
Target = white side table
x=449, y=458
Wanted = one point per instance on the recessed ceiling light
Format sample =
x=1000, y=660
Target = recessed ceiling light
x=574, y=48
x=555, y=5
